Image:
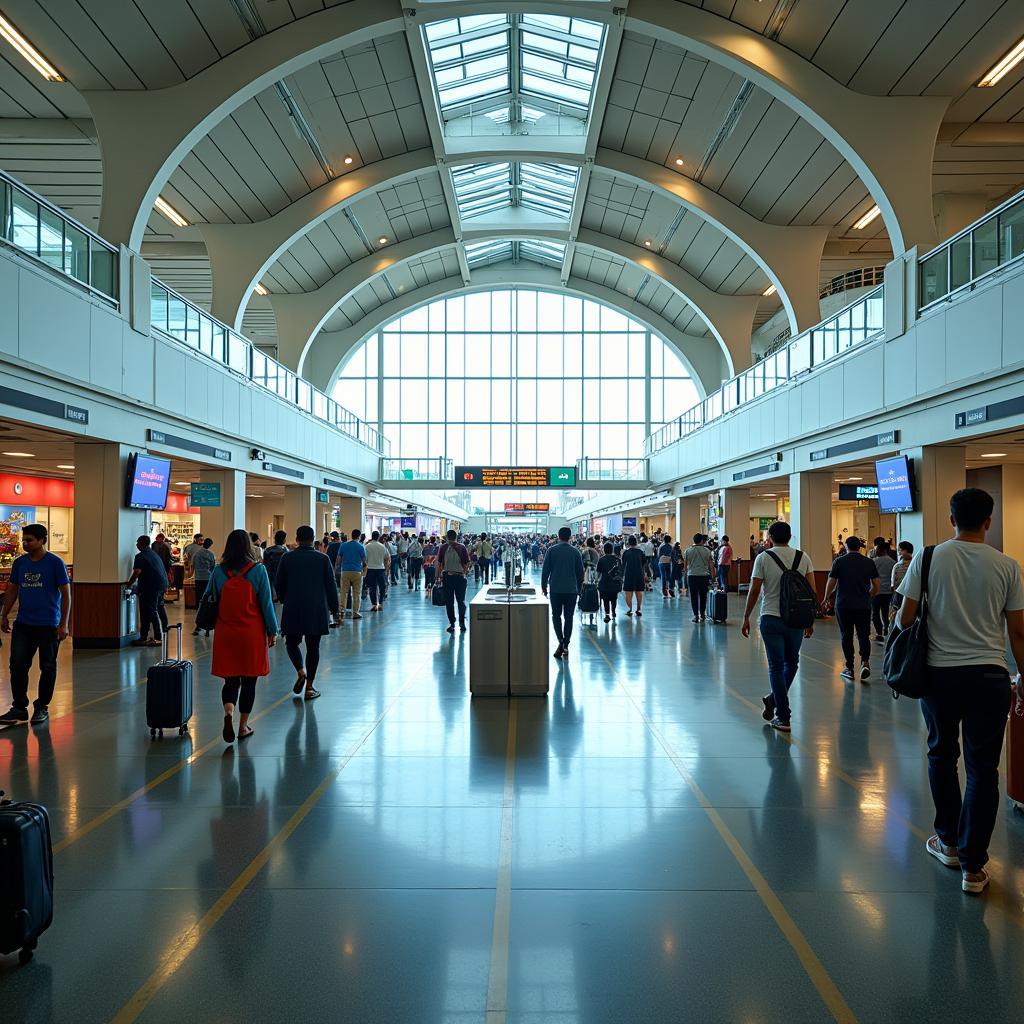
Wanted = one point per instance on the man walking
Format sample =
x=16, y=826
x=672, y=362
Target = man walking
x=974, y=597
x=39, y=583
x=852, y=586
x=563, y=576
x=333, y=547
x=150, y=579
x=309, y=597
x=484, y=553
x=699, y=566
x=781, y=642
x=454, y=562
x=415, y=561
x=352, y=560
x=378, y=562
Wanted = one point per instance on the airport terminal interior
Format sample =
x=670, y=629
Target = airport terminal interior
x=579, y=308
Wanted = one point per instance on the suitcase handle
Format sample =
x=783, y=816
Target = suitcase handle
x=176, y=626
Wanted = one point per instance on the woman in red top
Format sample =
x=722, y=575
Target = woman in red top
x=246, y=628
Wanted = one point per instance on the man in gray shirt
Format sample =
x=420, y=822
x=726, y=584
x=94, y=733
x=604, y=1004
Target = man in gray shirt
x=563, y=575
x=974, y=595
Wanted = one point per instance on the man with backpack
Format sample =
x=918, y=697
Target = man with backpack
x=783, y=577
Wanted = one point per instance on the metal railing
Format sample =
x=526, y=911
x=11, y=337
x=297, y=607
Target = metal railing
x=36, y=228
x=862, y=277
x=417, y=469
x=611, y=469
x=857, y=323
x=985, y=247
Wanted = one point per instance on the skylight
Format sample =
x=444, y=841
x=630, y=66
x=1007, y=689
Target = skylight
x=483, y=188
x=502, y=250
x=488, y=64
x=480, y=253
x=540, y=251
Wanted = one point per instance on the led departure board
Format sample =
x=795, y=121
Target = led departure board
x=519, y=508
x=515, y=476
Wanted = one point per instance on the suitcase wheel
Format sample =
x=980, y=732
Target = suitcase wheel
x=25, y=953
x=182, y=729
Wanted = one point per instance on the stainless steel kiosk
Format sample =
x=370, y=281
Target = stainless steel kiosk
x=508, y=642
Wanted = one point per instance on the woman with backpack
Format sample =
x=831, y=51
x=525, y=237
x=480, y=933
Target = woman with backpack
x=609, y=581
x=246, y=628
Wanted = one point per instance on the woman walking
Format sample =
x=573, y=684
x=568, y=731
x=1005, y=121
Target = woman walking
x=204, y=561
x=634, y=569
x=609, y=581
x=246, y=628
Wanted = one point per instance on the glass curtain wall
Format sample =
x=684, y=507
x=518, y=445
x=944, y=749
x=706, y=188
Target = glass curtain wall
x=516, y=377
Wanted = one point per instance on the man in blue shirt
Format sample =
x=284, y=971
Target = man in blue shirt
x=351, y=563
x=563, y=573
x=39, y=583
x=150, y=577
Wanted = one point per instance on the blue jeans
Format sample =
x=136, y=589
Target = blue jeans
x=723, y=577
x=782, y=646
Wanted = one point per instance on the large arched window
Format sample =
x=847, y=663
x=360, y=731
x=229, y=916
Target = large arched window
x=515, y=377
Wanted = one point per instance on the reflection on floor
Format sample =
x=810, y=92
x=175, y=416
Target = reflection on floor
x=651, y=852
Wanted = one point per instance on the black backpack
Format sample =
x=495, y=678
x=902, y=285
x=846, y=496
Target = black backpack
x=905, y=662
x=797, y=599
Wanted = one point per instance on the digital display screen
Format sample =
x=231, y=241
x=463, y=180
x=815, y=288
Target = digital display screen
x=629, y=521
x=858, y=492
x=895, y=485
x=515, y=476
x=148, y=478
x=518, y=508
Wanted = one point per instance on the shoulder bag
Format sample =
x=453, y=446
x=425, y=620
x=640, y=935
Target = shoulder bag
x=905, y=662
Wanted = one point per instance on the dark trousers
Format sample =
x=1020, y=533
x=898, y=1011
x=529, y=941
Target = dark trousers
x=152, y=613
x=293, y=646
x=723, y=577
x=376, y=585
x=563, y=607
x=976, y=700
x=609, y=599
x=483, y=570
x=880, y=612
x=25, y=641
x=665, y=572
x=859, y=620
x=429, y=575
x=454, y=590
x=698, y=587
x=396, y=568
x=782, y=649
x=415, y=567
x=240, y=690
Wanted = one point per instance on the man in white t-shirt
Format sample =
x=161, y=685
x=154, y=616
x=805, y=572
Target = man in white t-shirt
x=781, y=642
x=378, y=561
x=974, y=596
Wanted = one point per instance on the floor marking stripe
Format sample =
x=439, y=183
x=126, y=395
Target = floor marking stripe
x=497, y=981
x=815, y=970
x=183, y=947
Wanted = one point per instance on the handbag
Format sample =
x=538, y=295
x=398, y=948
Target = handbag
x=206, y=611
x=437, y=598
x=905, y=662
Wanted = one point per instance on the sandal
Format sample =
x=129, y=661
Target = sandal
x=312, y=693
x=300, y=683
x=244, y=734
x=229, y=729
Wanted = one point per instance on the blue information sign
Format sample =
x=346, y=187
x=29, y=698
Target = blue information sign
x=204, y=495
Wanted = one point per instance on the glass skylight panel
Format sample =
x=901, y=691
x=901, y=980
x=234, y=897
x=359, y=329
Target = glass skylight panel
x=558, y=58
x=481, y=188
x=540, y=251
x=470, y=58
x=479, y=253
x=548, y=188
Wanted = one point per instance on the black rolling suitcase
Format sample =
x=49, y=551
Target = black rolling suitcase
x=169, y=692
x=26, y=877
x=719, y=601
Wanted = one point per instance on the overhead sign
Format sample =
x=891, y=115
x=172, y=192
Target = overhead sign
x=629, y=521
x=515, y=476
x=858, y=492
x=204, y=495
x=323, y=497
x=408, y=522
x=519, y=508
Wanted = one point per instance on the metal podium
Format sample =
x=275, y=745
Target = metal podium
x=508, y=642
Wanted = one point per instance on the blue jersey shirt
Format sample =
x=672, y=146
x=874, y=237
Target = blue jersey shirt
x=352, y=555
x=38, y=589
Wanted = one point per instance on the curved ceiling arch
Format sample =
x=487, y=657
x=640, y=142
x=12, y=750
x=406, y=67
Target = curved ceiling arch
x=332, y=349
x=300, y=317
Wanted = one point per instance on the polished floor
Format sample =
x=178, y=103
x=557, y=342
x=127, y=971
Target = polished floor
x=639, y=847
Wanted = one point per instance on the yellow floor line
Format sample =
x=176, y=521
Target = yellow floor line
x=497, y=982
x=815, y=970
x=185, y=944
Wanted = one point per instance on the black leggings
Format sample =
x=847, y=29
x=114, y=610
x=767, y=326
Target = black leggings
x=698, y=587
x=229, y=692
x=292, y=642
x=880, y=612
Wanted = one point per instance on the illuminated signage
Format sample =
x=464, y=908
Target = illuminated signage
x=515, y=476
x=519, y=508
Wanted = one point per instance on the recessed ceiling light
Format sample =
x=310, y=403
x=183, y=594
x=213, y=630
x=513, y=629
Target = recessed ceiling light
x=679, y=161
x=769, y=291
x=984, y=455
x=851, y=478
x=31, y=54
x=382, y=240
x=347, y=160
x=182, y=483
x=65, y=467
x=260, y=290
x=1003, y=67
x=769, y=494
x=254, y=495
x=647, y=243
x=867, y=218
x=20, y=455
x=164, y=207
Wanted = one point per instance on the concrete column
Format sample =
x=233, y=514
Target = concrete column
x=938, y=472
x=299, y=508
x=104, y=561
x=736, y=506
x=351, y=514
x=1012, y=512
x=230, y=514
x=810, y=516
x=687, y=519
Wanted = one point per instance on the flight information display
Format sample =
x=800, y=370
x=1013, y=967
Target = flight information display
x=515, y=476
x=519, y=508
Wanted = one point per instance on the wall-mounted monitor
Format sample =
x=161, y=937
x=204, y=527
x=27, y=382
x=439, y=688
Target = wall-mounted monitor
x=858, y=492
x=147, y=480
x=895, y=485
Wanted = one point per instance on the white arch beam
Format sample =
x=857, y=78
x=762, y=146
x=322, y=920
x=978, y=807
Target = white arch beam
x=702, y=357
x=300, y=316
x=888, y=140
x=789, y=255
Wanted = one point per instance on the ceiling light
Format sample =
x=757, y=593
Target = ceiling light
x=769, y=494
x=254, y=495
x=1004, y=67
x=65, y=467
x=19, y=455
x=867, y=218
x=170, y=212
x=679, y=161
x=260, y=290
x=850, y=479
x=984, y=455
x=769, y=291
x=33, y=56
x=347, y=160
x=182, y=483
x=647, y=243
x=382, y=240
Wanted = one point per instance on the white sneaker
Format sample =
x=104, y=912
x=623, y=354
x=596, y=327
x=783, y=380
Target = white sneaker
x=847, y=673
x=974, y=882
x=865, y=673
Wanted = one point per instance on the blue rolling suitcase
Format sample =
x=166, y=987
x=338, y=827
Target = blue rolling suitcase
x=169, y=692
x=26, y=877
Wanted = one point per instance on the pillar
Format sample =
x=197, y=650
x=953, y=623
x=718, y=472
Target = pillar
x=1012, y=511
x=218, y=521
x=810, y=516
x=736, y=506
x=687, y=519
x=299, y=508
x=107, y=533
x=351, y=514
x=938, y=472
